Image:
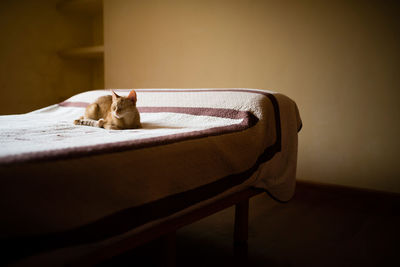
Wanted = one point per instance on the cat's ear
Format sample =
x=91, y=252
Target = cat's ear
x=114, y=95
x=132, y=96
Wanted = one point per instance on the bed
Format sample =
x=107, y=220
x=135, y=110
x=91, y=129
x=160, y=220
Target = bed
x=67, y=191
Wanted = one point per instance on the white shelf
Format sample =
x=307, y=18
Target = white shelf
x=84, y=52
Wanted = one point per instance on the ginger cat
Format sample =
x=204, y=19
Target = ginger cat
x=112, y=112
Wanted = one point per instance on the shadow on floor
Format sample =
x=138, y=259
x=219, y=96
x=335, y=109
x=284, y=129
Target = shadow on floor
x=320, y=226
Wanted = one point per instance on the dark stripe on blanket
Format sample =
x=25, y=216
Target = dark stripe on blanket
x=121, y=222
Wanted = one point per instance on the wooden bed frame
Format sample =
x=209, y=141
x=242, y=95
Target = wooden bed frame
x=166, y=231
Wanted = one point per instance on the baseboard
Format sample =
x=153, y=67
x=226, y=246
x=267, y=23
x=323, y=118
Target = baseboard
x=347, y=189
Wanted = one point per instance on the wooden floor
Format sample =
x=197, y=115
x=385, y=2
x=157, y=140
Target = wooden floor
x=320, y=226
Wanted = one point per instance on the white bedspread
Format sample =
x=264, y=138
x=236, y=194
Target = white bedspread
x=195, y=144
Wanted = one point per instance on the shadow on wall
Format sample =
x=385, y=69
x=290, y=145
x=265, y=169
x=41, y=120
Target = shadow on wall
x=32, y=74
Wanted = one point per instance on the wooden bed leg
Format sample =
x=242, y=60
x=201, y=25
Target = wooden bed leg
x=169, y=249
x=240, y=234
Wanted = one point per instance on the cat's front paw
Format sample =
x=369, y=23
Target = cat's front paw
x=101, y=123
x=78, y=122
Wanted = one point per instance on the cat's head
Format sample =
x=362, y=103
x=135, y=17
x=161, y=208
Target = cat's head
x=122, y=105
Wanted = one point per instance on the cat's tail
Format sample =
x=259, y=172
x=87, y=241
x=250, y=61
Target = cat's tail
x=89, y=122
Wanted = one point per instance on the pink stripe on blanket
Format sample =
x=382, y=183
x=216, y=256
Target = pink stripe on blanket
x=253, y=91
x=214, y=112
x=74, y=104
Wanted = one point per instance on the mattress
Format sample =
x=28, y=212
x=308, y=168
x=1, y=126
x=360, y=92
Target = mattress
x=64, y=186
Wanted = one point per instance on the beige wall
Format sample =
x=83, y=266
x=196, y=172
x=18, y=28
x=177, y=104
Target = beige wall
x=32, y=75
x=339, y=60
